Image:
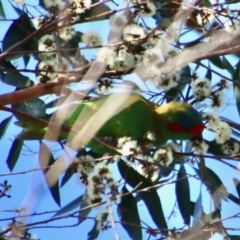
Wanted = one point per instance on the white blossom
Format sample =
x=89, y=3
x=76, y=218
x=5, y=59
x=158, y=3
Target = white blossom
x=127, y=146
x=133, y=32
x=122, y=60
x=164, y=156
x=201, y=88
x=217, y=99
x=92, y=39
x=200, y=147
x=172, y=81
x=223, y=132
x=230, y=147
x=59, y=4
x=79, y=6
x=85, y=164
x=48, y=71
x=147, y=9
x=47, y=43
x=212, y=118
x=37, y=22
x=67, y=33
x=205, y=16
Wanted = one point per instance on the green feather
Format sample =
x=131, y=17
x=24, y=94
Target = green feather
x=134, y=117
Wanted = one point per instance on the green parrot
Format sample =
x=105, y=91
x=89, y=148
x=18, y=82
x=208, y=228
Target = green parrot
x=132, y=116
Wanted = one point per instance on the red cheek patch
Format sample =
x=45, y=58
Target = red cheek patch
x=175, y=127
x=197, y=129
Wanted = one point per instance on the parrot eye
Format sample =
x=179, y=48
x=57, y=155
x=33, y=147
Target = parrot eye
x=197, y=129
x=175, y=127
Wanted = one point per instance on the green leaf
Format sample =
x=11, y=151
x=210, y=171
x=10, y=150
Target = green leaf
x=165, y=171
x=198, y=209
x=16, y=79
x=4, y=125
x=209, y=73
x=2, y=13
x=26, y=59
x=232, y=237
x=34, y=107
x=237, y=184
x=150, y=196
x=70, y=206
x=18, y=31
x=83, y=213
x=215, y=148
x=214, y=184
x=14, y=153
x=13, y=77
x=227, y=65
x=46, y=160
x=94, y=232
x=182, y=190
x=68, y=174
x=129, y=216
x=216, y=61
x=237, y=96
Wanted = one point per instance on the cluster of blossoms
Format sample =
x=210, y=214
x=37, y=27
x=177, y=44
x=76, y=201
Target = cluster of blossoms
x=92, y=39
x=133, y=33
x=99, y=181
x=200, y=146
x=97, y=177
x=148, y=168
x=101, y=220
x=206, y=15
x=230, y=147
x=164, y=155
x=121, y=59
x=76, y=6
x=161, y=77
x=201, y=88
x=127, y=146
x=146, y=8
x=222, y=129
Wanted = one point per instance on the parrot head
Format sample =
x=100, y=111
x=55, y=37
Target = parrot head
x=181, y=121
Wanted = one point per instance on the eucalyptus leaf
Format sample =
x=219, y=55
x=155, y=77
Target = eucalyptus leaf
x=34, y=107
x=14, y=153
x=129, y=215
x=46, y=160
x=2, y=13
x=198, y=209
x=182, y=190
x=70, y=206
x=150, y=196
x=4, y=125
x=17, y=32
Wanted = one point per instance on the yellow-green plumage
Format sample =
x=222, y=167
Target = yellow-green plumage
x=133, y=117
